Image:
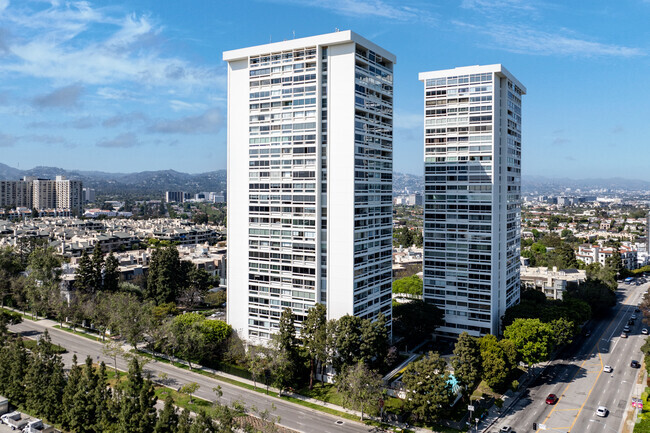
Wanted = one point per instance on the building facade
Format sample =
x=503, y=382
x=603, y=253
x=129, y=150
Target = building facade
x=472, y=204
x=42, y=194
x=309, y=180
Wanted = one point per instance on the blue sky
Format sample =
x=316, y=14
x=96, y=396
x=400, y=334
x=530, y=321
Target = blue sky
x=140, y=85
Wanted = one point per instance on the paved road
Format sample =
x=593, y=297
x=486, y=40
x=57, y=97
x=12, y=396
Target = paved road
x=580, y=382
x=293, y=416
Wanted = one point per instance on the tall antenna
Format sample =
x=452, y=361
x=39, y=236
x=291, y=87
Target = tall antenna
x=294, y=34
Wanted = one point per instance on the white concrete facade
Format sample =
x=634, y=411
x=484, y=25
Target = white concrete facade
x=309, y=180
x=472, y=204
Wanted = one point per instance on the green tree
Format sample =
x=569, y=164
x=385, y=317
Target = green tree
x=416, y=320
x=167, y=418
x=359, y=388
x=137, y=412
x=198, y=286
x=188, y=337
x=563, y=330
x=374, y=341
x=314, y=338
x=410, y=285
x=344, y=341
x=428, y=387
x=532, y=338
x=130, y=317
x=44, y=381
x=98, y=268
x=467, y=362
x=286, y=346
x=494, y=365
x=83, y=279
x=70, y=419
x=167, y=274
x=111, y=274
x=184, y=422
x=190, y=389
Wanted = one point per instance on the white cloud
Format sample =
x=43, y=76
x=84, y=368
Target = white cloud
x=526, y=40
x=56, y=44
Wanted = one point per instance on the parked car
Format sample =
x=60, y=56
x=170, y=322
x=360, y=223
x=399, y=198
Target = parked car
x=644, y=331
x=633, y=317
x=623, y=334
x=602, y=411
x=551, y=399
x=608, y=369
x=626, y=328
x=635, y=364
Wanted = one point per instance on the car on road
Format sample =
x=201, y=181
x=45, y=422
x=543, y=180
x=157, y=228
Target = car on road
x=635, y=364
x=602, y=411
x=506, y=429
x=644, y=331
x=623, y=334
x=633, y=317
x=551, y=399
x=608, y=369
x=626, y=328
x=637, y=310
x=630, y=322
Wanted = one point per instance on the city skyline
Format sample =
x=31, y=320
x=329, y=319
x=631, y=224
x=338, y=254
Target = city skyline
x=138, y=86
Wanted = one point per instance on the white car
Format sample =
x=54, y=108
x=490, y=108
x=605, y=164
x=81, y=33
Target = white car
x=644, y=331
x=608, y=369
x=602, y=411
x=633, y=317
x=505, y=429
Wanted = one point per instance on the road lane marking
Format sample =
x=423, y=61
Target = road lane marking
x=588, y=358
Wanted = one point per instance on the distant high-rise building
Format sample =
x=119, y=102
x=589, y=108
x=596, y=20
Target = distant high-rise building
x=472, y=204
x=40, y=194
x=175, y=196
x=89, y=195
x=310, y=151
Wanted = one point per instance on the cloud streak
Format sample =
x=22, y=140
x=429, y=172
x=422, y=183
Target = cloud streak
x=122, y=141
x=525, y=40
x=367, y=8
x=211, y=121
x=64, y=97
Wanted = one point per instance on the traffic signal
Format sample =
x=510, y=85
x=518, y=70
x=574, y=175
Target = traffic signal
x=534, y=426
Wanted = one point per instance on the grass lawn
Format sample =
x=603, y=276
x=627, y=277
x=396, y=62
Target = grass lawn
x=261, y=389
x=324, y=392
x=31, y=344
x=183, y=400
x=25, y=316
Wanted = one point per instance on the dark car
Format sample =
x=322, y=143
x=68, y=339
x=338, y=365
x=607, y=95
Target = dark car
x=635, y=364
x=551, y=399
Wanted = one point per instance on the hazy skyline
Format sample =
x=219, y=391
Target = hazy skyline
x=140, y=85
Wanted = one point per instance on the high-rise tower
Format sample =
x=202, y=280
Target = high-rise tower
x=472, y=204
x=310, y=151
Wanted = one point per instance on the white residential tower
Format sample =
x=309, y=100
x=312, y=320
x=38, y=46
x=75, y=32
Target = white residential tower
x=472, y=204
x=310, y=126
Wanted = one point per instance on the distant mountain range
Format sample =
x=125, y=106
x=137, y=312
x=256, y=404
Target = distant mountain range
x=146, y=182
x=157, y=182
x=532, y=183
